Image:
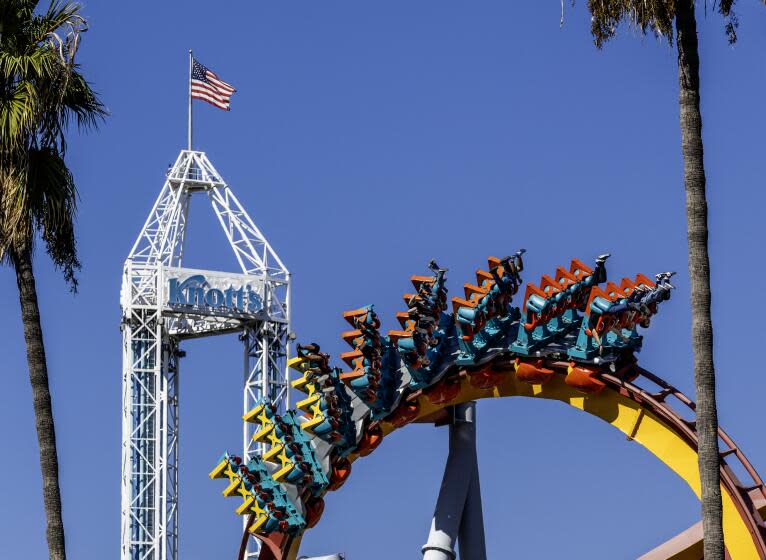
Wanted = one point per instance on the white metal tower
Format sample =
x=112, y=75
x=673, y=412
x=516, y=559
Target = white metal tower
x=163, y=304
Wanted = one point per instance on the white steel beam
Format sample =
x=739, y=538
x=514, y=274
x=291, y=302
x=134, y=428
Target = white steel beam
x=151, y=337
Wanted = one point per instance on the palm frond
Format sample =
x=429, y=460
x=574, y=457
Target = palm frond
x=654, y=16
x=16, y=14
x=71, y=100
x=18, y=113
x=34, y=64
x=42, y=93
x=650, y=15
x=53, y=183
x=41, y=199
x=79, y=100
x=12, y=222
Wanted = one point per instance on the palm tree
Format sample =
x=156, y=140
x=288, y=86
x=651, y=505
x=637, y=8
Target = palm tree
x=41, y=92
x=659, y=16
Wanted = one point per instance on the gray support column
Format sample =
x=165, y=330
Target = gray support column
x=459, y=492
x=471, y=533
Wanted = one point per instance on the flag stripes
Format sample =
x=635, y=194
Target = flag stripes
x=207, y=86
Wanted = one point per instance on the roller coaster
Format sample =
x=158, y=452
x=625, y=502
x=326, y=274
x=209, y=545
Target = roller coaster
x=574, y=340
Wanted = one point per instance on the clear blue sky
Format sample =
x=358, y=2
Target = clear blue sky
x=367, y=138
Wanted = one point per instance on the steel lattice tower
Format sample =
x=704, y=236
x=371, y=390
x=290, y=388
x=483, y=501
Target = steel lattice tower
x=163, y=304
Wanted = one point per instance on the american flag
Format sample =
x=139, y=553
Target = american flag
x=207, y=86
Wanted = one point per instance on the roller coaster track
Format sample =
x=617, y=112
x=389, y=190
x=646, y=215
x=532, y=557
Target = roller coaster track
x=646, y=408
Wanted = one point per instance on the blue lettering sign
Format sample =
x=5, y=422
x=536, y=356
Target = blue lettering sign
x=214, y=298
x=195, y=292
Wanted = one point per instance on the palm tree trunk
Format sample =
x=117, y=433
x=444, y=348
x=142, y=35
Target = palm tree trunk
x=38, y=377
x=699, y=274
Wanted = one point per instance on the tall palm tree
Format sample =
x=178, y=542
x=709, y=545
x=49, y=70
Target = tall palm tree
x=41, y=92
x=659, y=16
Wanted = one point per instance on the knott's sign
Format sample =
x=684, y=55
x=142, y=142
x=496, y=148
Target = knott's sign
x=205, y=292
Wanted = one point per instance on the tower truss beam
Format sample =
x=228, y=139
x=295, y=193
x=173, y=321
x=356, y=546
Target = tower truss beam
x=164, y=304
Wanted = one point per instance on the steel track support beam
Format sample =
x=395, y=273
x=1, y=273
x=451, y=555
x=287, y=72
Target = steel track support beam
x=458, y=515
x=470, y=537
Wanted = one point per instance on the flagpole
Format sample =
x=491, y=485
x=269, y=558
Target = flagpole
x=189, y=132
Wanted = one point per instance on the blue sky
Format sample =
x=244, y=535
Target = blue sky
x=365, y=139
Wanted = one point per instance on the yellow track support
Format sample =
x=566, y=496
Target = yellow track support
x=220, y=471
x=639, y=424
x=273, y=452
x=318, y=418
x=237, y=487
x=267, y=434
x=310, y=404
